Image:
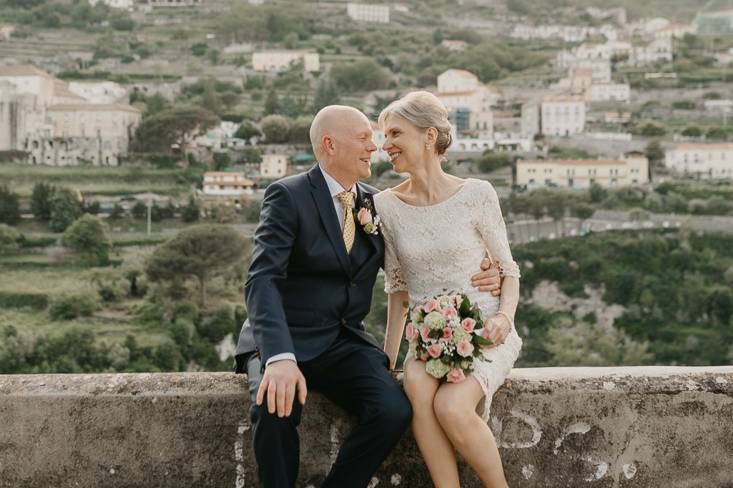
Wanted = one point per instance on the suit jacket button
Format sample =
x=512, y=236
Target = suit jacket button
x=343, y=321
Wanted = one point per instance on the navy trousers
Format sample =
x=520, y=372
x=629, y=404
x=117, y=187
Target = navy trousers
x=355, y=376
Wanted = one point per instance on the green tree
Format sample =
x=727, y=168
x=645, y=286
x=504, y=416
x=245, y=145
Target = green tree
x=9, y=206
x=89, y=237
x=272, y=103
x=362, y=75
x=582, y=344
x=652, y=129
x=491, y=161
x=597, y=193
x=200, y=253
x=247, y=130
x=139, y=210
x=190, y=213
x=654, y=152
x=276, y=129
x=300, y=130
x=221, y=161
x=41, y=201
x=692, y=131
x=9, y=239
x=326, y=94
x=174, y=126
x=65, y=209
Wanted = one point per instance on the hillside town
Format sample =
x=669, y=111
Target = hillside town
x=610, y=90
x=606, y=133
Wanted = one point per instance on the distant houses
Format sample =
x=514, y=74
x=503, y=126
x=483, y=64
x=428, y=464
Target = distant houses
x=55, y=124
x=700, y=160
x=632, y=169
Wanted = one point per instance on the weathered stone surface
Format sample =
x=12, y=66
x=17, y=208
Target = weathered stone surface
x=557, y=427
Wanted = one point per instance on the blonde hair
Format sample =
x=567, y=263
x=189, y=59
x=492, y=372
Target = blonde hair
x=423, y=110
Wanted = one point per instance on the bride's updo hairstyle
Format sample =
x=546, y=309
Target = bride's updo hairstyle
x=423, y=110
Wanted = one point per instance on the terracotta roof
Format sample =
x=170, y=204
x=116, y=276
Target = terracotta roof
x=22, y=70
x=455, y=93
x=93, y=107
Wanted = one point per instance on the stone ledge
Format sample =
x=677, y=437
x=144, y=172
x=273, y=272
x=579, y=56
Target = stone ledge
x=557, y=427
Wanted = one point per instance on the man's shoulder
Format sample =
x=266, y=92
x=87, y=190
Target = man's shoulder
x=293, y=184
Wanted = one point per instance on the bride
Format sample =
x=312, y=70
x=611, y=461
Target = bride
x=435, y=227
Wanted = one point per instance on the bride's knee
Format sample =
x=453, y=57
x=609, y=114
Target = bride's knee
x=419, y=386
x=450, y=409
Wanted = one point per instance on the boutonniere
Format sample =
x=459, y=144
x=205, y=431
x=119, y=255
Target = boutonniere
x=366, y=218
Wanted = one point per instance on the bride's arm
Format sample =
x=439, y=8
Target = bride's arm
x=493, y=230
x=396, y=313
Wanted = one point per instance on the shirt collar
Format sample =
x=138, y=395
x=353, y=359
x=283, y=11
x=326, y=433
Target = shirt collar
x=334, y=186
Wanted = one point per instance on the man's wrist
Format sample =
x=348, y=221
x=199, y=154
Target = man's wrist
x=285, y=356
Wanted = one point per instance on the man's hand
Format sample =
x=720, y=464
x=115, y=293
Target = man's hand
x=280, y=382
x=488, y=279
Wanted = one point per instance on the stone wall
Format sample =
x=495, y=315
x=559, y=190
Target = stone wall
x=557, y=427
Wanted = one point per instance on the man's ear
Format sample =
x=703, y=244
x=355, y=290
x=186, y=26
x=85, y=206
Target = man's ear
x=328, y=144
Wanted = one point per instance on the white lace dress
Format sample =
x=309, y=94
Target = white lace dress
x=437, y=248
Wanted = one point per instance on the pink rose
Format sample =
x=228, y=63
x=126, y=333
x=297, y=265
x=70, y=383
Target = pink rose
x=431, y=305
x=450, y=313
x=424, y=334
x=455, y=376
x=364, y=216
x=468, y=324
x=465, y=348
x=447, y=333
x=411, y=333
x=435, y=350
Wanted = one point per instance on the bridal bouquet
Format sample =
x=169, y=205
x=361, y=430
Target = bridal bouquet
x=446, y=332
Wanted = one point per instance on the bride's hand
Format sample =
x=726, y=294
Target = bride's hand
x=496, y=329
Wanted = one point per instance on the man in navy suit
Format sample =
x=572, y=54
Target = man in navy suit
x=308, y=289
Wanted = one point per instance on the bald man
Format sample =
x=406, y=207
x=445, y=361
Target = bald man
x=308, y=288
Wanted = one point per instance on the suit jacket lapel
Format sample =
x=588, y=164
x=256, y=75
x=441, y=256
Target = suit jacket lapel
x=364, y=195
x=327, y=212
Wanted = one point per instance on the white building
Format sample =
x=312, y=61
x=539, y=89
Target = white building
x=657, y=50
x=273, y=165
x=122, y=4
x=99, y=91
x=44, y=118
x=29, y=80
x=227, y=184
x=368, y=13
x=468, y=101
x=582, y=173
x=220, y=138
x=707, y=161
x=604, y=92
x=281, y=60
x=562, y=115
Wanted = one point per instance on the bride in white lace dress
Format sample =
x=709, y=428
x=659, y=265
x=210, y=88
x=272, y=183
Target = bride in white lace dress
x=435, y=227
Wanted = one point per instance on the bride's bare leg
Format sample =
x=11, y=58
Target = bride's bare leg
x=455, y=408
x=436, y=449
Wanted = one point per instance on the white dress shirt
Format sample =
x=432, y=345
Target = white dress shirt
x=335, y=188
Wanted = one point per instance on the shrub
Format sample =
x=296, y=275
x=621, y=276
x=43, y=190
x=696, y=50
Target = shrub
x=71, y=306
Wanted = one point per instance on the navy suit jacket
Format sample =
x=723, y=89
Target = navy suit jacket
x=302, y=287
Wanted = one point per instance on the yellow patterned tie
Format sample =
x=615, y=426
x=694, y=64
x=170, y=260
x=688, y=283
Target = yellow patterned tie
x=347, y=201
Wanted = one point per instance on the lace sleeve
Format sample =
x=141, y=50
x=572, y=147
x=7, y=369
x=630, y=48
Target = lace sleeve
x=491, y=225
x=393, y=281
